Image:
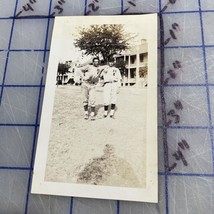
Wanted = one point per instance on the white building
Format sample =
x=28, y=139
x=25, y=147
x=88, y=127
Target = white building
x=136, y=59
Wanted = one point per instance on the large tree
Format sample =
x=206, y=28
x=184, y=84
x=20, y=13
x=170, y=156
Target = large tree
x=106, y=39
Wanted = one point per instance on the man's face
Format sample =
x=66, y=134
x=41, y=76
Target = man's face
x=96, y=62
x=110, y=64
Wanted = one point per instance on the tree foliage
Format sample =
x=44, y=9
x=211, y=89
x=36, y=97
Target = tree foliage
x=121, y=65
x=143, y=71
x=106, y=40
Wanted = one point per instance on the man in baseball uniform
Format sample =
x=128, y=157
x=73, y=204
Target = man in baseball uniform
x=90, y=79
x=112, y=81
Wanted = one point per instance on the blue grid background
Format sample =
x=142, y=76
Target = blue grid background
x=24, y=51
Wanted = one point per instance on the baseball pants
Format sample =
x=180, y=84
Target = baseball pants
x=88, y=92
x=110, y=93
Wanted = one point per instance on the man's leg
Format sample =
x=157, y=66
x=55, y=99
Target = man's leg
x=112, y=110
x=106, y=96
x=86, y=111
x=105, y=110
x=114, y=88
x=85, y=93
x=92, y=101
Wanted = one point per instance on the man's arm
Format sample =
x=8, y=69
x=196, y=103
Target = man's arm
x=119, y=75
x=84, y=68
x=101, y=70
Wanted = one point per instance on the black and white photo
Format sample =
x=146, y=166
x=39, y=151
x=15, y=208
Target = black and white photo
x=98, y=130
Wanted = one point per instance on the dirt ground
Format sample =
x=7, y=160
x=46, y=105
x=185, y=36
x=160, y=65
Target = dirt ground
x=110, y=152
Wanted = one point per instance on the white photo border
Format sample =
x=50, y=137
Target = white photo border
x=148, y=194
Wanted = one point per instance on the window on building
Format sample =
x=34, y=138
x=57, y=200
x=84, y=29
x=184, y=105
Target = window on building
x=127, y=59
x=119, y=58
x=133, y=59
x=132, y=72
x=141, y=57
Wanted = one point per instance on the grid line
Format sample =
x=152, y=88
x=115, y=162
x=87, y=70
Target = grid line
x=186, y=174
x=189, y=46
x=14, y=168
x=33, y=149
x=161, y=127
x=37, y=114
x=8, y=53
x=118, y=207
x=24, y=50
x=71, y=205
x=160, y=85
x=85, y=10
x=165, y=47
x=163, y=109
x=188, y=11
x=85, y=7
x=184, y=127
x=122, y=7
x=176, y=174
x=27, y=17
x=15, y=124
x=22, y=86
x=188, y=85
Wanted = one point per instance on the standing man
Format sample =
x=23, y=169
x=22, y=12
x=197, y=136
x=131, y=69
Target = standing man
x=112, y=81
x=90, y=79
x=77, y=75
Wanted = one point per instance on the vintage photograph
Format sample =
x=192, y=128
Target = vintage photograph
x=99, y=119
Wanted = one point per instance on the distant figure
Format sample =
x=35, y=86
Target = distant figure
x=70, y=73
x=112, y=81
x=77, y=75
x=89, y=80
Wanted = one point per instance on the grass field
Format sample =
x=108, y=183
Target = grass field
x=106, y=151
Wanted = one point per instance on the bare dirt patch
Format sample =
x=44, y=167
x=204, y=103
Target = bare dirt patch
x=98, y=168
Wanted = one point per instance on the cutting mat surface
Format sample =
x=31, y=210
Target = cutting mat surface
x=186, y=104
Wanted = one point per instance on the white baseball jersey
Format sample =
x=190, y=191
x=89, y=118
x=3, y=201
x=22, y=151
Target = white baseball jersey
x=111, y=74
x=89, y=71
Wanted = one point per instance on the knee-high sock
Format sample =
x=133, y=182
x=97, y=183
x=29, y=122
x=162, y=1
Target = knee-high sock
x=92, y=110
x=86, y=109
x=105, y=110
x=112, y=109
